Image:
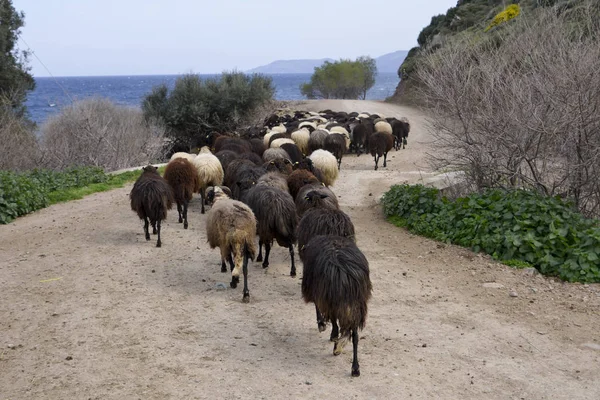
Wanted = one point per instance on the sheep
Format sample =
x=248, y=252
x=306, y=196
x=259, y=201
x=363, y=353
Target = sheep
x=231, y=173
x=279, y=129
x=336, y=145
x=183, y=178
x=226, y=157
x=278, y=136
x=293, y=151
x=231, y=226
x=205, y=150
x=323, y=221
x=246, y=179
x=210, y=172
x=342, y=131
x=305, y=200
x=282, y=165
x=383, y=126
x=278, y=142
x=151, y=197
x=308, y=125
x=327, y=163
x=180, y=154
x=267, y=138
x=359, y=135
x=274, y=179
x=272, y=154
x=317, y=140
x=276, y=217
x=400, y=131
x=255, y=158
x=379, y=145
x=301, y=138
x=336, y=279
x=258, y=147
x=308, y=165
x=298, y=179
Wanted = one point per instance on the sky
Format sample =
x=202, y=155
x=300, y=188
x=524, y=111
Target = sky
x=153, y=37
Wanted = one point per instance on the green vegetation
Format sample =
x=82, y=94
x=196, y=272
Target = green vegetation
x=15, y=79
x=22, y=193
x=344, y=79
x=195, y=108
x=506, y=15
x=518, y=227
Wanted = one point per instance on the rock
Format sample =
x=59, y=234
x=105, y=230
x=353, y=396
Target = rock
x=12, y=346
x=593, y=346
x=513, y=294
x=493, y=285
x=534, y=290
x=530, y=271
x=220, y=286
x=68, y=358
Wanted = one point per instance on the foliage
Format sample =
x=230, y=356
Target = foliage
x=519, y=227
x=23, y=193
x=18, y=145
x=195, y=108
x=96, y=132
x=506, y=15
x=15, y=79
x=343, y=79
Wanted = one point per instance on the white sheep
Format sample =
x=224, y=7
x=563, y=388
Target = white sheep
x=181, y=154
x=231, y=226
x=327, y=163
x=278, y=142
x=301, y=137
x=383, y=126
x=210, y=172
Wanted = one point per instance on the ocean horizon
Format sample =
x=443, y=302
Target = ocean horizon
x=53, y=93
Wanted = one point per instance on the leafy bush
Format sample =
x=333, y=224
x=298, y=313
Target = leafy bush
x=22, y=193
x=506, y=15
x=514, y=226
x=195, y=108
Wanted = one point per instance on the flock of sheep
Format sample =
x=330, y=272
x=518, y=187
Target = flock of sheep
x=275, y=184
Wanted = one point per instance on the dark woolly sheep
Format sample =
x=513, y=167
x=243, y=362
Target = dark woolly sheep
x=359, y=135
x=231, y=173
x=336, y=279
x=317, y=140
x=325, y=198
x=323, y=221
x=274, y=179
x=336, y=145
x=231, y=226
x=226, y=157
x=258, y=147
x=151, y=197
x=293, y=151
x=272, y=154
x=245, y=180
x=184, y=180
x=235, y=147
x=298, y=179
x=308, y=165
x=276, y=218
x=235, y=144
x=252, y=157
x=271, y=120
x=380, y=143
x=282, y=165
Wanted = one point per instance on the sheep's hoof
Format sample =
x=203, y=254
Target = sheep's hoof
x=246, y=298
x=180, y=220
x=259, y=258
x=355, y=372
x=223, y=268
x=265, y=265
x=158, y=244
x=322, y=326
x=293, y=273
x=148, y=237
x=234, y=281
x=185, y=225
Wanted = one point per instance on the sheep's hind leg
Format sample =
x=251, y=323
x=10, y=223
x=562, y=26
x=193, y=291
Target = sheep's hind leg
x=154, y=228
x=355, y=366
x=320, y=321
x=234, y=279
x=146, y=232
x=293, y=270
x=259, y=258
x=223, y=265
x=246, y=298
x=203, y=198
x=185, y=209
x=335, y=331
x=385, y=160
x=179, y=211
x=376, y=161
x=158, y=242
x=267, y=252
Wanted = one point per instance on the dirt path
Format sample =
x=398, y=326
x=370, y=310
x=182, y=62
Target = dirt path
x=90, y=310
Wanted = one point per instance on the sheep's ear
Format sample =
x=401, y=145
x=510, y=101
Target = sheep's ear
x=226, y=190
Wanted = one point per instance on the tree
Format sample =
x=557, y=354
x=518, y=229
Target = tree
x=343, y=79
x=195, y=107
x=15, y=79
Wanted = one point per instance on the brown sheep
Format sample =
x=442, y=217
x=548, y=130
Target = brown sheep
x=183, y=178
x=298, y=179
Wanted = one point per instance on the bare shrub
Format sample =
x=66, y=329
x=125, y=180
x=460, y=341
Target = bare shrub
x=97, y=132
x=18, y=145
x=520, y=107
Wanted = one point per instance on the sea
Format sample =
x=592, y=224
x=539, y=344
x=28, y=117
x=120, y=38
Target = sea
x=51, y=94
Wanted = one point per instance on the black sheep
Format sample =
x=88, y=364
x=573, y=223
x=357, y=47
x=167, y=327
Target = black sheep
x=151, y=197
x=336, y=279
x=380, y=143
x=335, y=143
x=293, y=151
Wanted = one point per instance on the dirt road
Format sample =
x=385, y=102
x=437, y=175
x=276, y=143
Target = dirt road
x=90, y=310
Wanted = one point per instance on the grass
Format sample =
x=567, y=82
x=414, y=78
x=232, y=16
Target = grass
x=114, y=182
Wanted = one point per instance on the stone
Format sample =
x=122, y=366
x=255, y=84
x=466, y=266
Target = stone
x=493, y=285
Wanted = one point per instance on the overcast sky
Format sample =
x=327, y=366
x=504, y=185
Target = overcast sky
x=138, y=37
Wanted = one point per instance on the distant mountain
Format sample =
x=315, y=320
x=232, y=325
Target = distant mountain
x=386, y=63
x=290, y=67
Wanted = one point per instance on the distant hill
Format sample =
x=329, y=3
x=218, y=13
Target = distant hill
x=386, y=63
